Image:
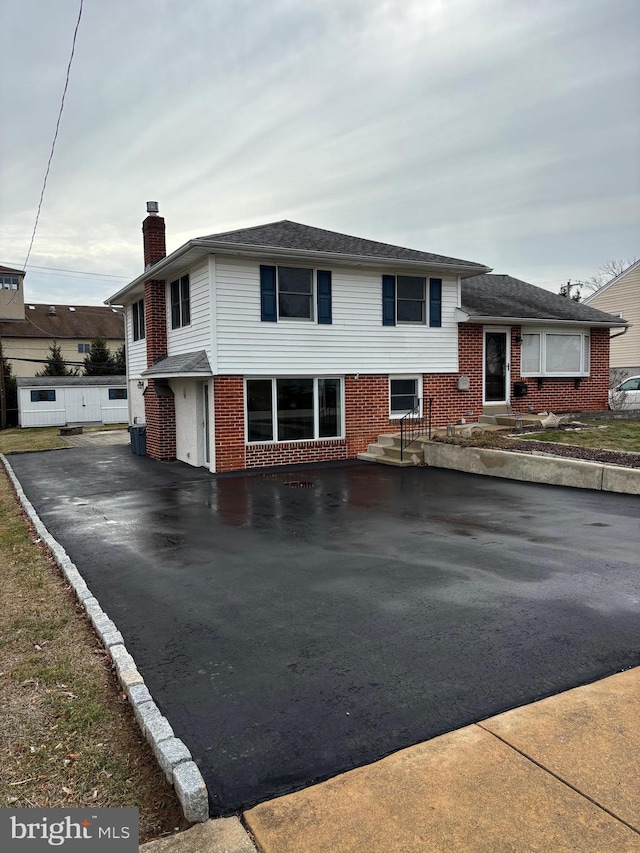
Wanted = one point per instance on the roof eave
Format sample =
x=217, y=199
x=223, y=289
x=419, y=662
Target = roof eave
x=177, y=374
x=536, y=321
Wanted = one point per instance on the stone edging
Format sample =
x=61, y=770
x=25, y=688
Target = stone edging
x=172, y=755
x=534, y=468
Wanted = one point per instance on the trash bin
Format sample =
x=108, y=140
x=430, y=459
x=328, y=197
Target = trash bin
x=138, y=434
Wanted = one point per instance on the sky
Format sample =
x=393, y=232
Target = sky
x=505, y=132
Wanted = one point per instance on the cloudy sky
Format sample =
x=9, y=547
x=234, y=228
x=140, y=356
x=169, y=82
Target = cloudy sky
x=500, y=131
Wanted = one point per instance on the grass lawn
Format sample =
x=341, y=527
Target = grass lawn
x=68, y=737
x=613, y=435
x=17, y=440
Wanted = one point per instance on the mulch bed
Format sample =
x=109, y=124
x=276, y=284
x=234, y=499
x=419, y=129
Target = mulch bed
x=572, y=451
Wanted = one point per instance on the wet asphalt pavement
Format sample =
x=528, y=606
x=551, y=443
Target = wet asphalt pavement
x=297, y=624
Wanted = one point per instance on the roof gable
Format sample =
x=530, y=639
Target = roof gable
x=502, y=296
x=620, y=277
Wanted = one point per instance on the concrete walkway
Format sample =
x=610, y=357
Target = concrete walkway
x=562, y=774
x=99, y=438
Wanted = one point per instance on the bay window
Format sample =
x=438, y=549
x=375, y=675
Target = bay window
x=555, y=353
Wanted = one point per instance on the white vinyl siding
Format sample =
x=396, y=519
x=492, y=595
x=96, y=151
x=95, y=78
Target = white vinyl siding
x=197, y=335
x=355, y=341
x=136, y=350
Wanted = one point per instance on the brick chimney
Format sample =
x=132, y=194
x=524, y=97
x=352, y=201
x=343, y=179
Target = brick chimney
x=159, y=405
x=153, y=236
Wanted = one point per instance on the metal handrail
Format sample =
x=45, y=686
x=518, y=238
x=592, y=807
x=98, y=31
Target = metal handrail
x=415, y=423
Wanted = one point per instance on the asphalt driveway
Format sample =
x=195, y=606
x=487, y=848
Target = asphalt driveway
x=294, y=625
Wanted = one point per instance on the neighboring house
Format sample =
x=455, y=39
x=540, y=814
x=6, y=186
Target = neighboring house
x=621, y=297
x=285, y=343
x=28, y=330
x=60, y=400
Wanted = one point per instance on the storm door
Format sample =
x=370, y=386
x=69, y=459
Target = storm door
x=496, y=366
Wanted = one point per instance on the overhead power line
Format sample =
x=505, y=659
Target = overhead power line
x=56, y=270
x=55, y=136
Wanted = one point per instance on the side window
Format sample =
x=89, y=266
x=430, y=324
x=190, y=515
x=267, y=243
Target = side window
x=117, y=393
x=43, y=395
x=84, y=349
x=137, y=312
x=180, y=302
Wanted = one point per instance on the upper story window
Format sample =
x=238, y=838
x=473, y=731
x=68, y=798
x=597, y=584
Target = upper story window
x=555, y=353
x=410, y=299
x=295, y=293
x=180, y=302
x=9, y=282
x=137, y=314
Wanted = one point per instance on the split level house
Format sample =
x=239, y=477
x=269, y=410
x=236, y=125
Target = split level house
x=285, y=343
x=27, y=329
x=621, y=297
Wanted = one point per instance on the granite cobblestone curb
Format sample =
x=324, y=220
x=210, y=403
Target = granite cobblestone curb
x=172, y=755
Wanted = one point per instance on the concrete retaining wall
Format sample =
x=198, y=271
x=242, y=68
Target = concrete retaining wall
x=533, y=469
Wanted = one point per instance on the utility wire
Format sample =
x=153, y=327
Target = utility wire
x=57, y=270
x=55, y=136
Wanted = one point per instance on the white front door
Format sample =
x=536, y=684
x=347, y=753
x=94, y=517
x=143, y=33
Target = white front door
x=496, y=367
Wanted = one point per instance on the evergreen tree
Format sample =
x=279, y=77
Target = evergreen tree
x=100, y=361
x=55, y=364
x=120, y=360
x=9, y=402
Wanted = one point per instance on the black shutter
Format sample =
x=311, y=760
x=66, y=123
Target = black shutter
x=435, y=301
x=388, y=300
x=324, y=296
x=268, y=312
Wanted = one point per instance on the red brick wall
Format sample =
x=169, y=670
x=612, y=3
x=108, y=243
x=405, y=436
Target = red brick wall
x=228, y=403
x=155, y=320
x=160, y=417
x=289, y=453
x=560, y=394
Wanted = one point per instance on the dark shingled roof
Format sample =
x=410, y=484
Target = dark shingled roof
x=64, y=381
x=85, y=321
x=180, y=365
x=504, y=296
x=293, y=235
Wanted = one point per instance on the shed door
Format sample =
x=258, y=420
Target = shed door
x=82, y=405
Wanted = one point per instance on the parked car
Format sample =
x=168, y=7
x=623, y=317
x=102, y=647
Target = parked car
x=625, y=395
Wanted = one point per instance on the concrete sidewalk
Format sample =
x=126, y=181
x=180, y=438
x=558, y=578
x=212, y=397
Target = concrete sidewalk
x=562, y=774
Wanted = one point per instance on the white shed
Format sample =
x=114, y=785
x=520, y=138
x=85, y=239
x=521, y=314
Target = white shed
x=61, y=400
